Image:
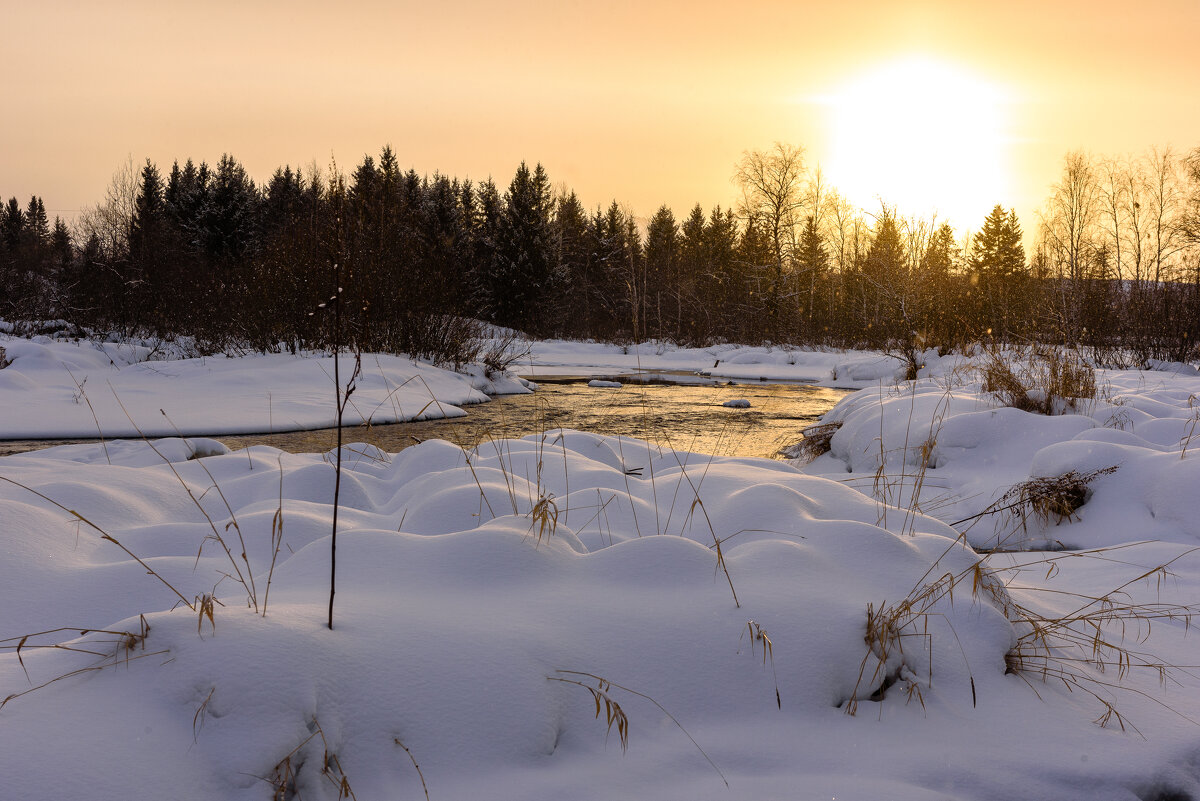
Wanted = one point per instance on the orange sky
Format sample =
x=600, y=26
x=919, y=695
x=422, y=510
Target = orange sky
x=648, y=103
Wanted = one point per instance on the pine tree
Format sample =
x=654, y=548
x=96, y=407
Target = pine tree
x=521, y=277
x=12, y=221
x=886, y=282
x=574, y=281
x=37, y=225
x=941, y=254
x=998, y=263
x=813, y=264
x=60, y=246
x=662, y=273
x=692, y=322
x=997, y=250
x=149, y=211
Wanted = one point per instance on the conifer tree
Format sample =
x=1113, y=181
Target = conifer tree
x=573, y=262
x=12, y=221
x=997, y=250
x=813, y=263
x=37, y=225
x=521, y=275
x=662, y=273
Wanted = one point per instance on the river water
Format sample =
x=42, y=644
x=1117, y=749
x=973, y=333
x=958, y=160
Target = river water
x=685, y=416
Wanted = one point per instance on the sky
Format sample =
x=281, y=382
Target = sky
x=946, y=106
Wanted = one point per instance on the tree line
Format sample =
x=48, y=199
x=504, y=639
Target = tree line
x=204, y=251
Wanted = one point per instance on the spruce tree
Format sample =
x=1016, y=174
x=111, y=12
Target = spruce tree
x=12, y=221
x=997, y=250
x=662, y=273
x=521, y=277
x=37, y=225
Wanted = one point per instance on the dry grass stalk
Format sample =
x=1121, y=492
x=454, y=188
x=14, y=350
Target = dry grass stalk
x=600, y=689
x=417, y=767
x=112, y=648
x=201, y=715
x=86, y=399
x=759, y=636
x=1193, y=421
x=104, y=535
x=284, y=780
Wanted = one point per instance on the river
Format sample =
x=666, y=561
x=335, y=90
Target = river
x=687, y=416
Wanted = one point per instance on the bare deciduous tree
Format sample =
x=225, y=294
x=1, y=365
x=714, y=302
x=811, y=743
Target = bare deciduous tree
x=773, y=197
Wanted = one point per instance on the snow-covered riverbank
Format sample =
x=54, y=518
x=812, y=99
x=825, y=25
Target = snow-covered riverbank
x=58, y=389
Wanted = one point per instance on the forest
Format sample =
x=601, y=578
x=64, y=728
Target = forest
x=414, y=262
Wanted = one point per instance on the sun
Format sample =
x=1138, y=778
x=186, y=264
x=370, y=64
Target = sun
x=923, y=135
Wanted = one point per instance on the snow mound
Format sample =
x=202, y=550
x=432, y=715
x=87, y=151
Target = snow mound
x=470, y=584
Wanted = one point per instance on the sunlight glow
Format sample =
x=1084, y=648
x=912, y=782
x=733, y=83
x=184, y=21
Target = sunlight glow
x=923, y=135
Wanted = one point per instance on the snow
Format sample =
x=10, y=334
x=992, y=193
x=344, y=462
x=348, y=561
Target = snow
x=53, y=388
x=470, y=584
x=599, y=383
x=973, y=450
x=737, y=403
x=844, y=369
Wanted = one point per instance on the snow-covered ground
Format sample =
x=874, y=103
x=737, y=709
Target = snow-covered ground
x=726, y=613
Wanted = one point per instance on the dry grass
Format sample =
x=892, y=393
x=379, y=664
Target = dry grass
x=1193, y=421
x=416, y=767
x=285, y=776
x=1042, y=380
x=1100, y=636
x=759, y=637
x=1049, y=498
x=816, y=441
x=1046, y=498
x=1080, y=649
x=110, y=648
x=601, y=688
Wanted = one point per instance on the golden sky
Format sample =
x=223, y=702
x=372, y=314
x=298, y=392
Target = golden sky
x=645, y=102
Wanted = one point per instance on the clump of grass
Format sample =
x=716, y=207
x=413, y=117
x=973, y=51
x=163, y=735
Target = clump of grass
x=4, y=360
x=888, y=626
x=1044, y=381
x=284, y=779
x=816, y=441
x=1052, y=497
x=544, y=518
x=1078, y=649
x=1047, y=498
